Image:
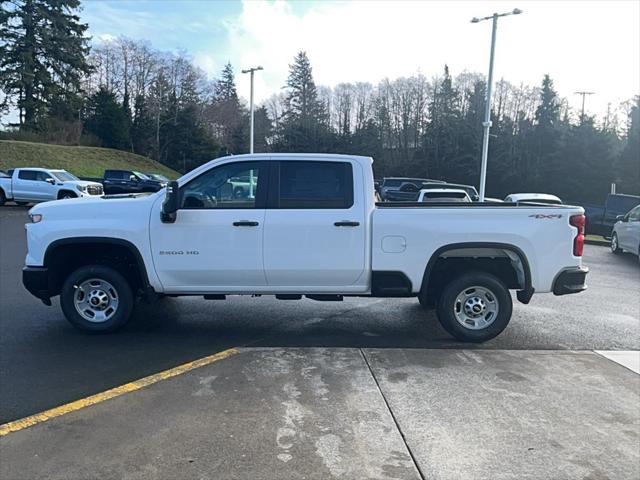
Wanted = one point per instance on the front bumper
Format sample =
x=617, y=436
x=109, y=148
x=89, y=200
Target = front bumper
x=36, y=281
x=570, y=280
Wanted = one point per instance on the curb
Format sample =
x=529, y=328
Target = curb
x=601, y=243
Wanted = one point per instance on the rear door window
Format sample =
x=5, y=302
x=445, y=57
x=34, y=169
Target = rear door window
x=113, y=174
x=315, y=185
x=28, y=175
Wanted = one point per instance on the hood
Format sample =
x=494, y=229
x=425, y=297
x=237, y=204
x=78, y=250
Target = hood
x=82, y=183
x=91, y=208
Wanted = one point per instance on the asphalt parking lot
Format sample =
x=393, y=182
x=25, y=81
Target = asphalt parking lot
x=366, y=388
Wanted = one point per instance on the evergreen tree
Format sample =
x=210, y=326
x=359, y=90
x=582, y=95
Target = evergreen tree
x=225, y=87
x=143, y=128
x=304, y=127
x=227, y=115
x=304, y=106
x=42, y=54
x=107, y=120
x=627, y=169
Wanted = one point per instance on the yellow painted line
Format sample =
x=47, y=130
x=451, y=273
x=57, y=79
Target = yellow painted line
x=112, y=393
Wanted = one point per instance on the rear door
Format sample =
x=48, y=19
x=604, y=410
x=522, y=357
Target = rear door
x=629, y=231
x=314, y=237
x=25, y=185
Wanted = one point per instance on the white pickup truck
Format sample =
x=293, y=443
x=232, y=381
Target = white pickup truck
x=33, y=185
x=311, y=227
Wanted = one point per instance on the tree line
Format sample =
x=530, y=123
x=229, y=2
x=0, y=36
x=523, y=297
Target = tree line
x=125, y=94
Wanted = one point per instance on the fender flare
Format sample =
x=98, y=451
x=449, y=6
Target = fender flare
x=457, y=246
x=142, y=270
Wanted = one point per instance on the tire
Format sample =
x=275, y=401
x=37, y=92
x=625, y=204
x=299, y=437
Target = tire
x=66, y=196
x=114, y=296
x=482, y=294
x=615, y=248
x=3, y=198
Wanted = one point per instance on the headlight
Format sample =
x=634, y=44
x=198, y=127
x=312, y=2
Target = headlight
x=82, y=188
x=35, y=217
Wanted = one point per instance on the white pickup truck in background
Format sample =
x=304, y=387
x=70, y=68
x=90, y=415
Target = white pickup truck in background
x=33, y=185
x=311, y=227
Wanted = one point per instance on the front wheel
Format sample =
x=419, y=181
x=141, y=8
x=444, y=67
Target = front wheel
x=475, y=307
x=96, y=298
x=615, y=247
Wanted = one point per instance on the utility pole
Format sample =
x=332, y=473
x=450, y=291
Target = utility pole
x=584, y=94
x=487, y=109
x=251, y=71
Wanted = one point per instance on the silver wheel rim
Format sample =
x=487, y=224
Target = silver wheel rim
x=614, y=243
x=476, y=308
x=96, y=300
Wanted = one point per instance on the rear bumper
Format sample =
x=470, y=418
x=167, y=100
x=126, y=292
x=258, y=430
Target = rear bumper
x=570, y=280
x=36, y=281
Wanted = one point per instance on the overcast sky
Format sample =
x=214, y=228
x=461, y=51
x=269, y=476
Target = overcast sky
x=583, y=45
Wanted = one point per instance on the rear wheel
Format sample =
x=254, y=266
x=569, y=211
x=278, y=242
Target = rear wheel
x=3, y=198
x=96, y=298
x=615, y=247
x=475, y=307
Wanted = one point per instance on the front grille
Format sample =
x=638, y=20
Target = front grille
x=95, y=190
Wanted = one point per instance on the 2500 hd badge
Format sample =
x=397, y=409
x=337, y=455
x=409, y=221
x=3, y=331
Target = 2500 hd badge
x=179, y=252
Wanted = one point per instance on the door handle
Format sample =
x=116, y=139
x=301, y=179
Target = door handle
x=346, y=223
x=245, y=223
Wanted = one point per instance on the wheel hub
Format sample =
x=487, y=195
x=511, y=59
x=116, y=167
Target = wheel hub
x=476, y=307
x=96, y=300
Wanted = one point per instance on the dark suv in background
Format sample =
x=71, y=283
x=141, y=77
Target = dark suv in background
x=129, y=181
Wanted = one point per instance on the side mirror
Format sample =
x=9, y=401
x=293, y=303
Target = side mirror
x=171, y=203
x=133, y=178
x=50, y=180
x=620, y=218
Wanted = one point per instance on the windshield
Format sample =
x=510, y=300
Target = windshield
x=63, y=176
x=157, y=176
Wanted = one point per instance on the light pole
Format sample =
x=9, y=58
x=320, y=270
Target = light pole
x=487, y=109
x=251, y=71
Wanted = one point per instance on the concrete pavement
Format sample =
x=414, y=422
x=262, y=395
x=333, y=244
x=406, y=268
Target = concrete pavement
x=320, y=413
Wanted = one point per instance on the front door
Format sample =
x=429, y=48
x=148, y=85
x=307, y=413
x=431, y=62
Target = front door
x=215, y=243
x=315, y=227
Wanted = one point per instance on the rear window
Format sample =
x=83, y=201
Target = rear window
x=452, y=195
x=315, y=185
x=114, y=174
x=27, y=175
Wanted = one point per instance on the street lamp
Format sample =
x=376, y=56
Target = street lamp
x=487, y=109
x=251, y=71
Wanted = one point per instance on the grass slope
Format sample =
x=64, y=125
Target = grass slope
x=81, y=161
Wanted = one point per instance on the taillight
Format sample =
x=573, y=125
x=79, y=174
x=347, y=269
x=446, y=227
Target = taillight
x=578, y=221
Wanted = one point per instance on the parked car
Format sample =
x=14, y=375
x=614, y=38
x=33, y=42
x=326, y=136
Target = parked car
x=313, y=228
x=157, y=176
x=600, y=219
x=129, y=181
x=443, y=195
x=33, y=185
x=533, y=197
x=471, y=190
x=409, y=192
x=410, y=186
x=626, y=233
